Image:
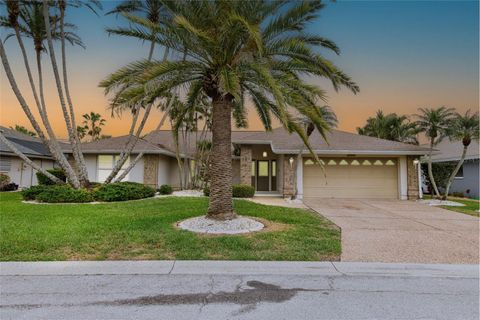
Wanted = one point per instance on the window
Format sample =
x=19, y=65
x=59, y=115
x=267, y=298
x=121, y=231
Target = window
x=355, y=163
x=5, y=164
x=105, y=164
x=343, y=162
x=459, y=174
x=390, y=163
x=308, y=162
x=378, y=163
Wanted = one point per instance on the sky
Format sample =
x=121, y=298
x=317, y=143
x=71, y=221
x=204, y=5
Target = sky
x=403, y=55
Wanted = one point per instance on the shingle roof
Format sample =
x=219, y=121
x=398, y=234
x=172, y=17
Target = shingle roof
x=339, y=142
x=451, y=151
x=30, y=146
x=117, y=144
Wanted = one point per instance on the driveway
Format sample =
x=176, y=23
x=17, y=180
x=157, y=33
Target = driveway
x=401, y=231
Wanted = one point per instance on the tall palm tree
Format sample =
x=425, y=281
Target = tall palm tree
x=153, y=10
x=434, y=123
x=390, y=127
x=465, y=128
x=238, y=51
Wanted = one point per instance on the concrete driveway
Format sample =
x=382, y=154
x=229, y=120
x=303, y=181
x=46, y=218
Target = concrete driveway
x=401, y=231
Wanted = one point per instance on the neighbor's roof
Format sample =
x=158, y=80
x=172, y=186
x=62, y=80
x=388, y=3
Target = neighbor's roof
x=117, y=144
x=30, y=146
x=282, y=142
x=451, y=151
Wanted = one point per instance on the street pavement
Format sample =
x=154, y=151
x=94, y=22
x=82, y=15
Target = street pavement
x=237, y=290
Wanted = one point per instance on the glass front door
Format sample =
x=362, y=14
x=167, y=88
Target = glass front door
x=264, y=175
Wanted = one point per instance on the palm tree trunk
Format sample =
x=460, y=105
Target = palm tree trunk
x=221, y=205
x=152, y=48
x=430, y=172
x=56, y=152
x=28, y=161
x=66, y=115
x=81, y=165
x=130, y=166
x=455, y=171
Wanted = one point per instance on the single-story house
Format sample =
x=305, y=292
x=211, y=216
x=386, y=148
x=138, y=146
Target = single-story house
x=468, y=177
x=353, y=166
x=13, y=166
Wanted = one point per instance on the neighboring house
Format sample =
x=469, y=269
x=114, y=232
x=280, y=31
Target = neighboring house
x=467, y=179
x=12, y=165
x=354, y=166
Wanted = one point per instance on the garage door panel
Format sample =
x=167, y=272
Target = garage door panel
x=351, y=181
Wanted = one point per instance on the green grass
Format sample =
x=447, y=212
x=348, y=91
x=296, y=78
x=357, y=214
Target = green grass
x=470, y=208
x=145, y=229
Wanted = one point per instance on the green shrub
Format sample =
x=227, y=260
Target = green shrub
x=4, y=180
x=62, y=194
x=238, y=191
x=165, y=189
x=123, y=191
x=243, y=191
x=458, y=194
x=32, y=192
x=206, y=192
x=43, y=180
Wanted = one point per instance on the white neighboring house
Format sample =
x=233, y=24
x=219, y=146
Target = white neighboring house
x=12, y=165
x=468, y=177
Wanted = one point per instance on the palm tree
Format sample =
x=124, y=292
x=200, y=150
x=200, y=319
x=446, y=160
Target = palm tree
x=390, y=127
x=29, y=18
x=92, y=124
x=23, y=130
x=233, y=52
x=153, y=10
x=434, y=123
x=465, y=128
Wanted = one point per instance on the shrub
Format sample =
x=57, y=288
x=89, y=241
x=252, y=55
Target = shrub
x=238, y=191
x=123, y=191
x=32, y=192
x=458, y=194
x=206, y=192
x=4, y=180
x=243, y=191
x=165, y=189
x=9, y=187
x=62, y=194
x=43, y=180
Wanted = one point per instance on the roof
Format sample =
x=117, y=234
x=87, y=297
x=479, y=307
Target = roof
x=282, y=142
x=28, y=145
x=117, y=144
x=452, y=150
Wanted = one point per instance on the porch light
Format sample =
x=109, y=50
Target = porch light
x=291, y=161
x=415, y=162
x=264, y=154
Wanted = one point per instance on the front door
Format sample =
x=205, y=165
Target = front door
x=265, y=175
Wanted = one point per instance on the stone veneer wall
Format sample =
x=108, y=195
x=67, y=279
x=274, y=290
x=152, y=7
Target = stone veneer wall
x=288, y=176
x=246, y=165
x=150, y=170
x=412, y=179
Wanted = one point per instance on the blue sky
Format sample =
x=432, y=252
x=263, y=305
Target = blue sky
x=403, y=55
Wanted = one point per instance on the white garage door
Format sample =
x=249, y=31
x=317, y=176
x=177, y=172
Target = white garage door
x=351, y=178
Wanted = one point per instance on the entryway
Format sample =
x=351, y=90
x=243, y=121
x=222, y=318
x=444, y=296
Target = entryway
x=264, y=175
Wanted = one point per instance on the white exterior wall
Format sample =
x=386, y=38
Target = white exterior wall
x=136, y=174
x=402, y=178
x=24, y=175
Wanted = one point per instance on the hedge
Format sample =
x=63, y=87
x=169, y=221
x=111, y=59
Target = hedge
x=44, y=180
x=123, y=191
x=165, y=189
x=62, y=194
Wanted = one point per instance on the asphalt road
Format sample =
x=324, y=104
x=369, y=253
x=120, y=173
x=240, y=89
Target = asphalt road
x=237, y=290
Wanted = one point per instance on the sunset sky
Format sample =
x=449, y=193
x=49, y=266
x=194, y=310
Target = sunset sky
x=403, y=54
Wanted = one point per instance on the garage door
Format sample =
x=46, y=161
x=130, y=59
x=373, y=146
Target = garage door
x=351, y=178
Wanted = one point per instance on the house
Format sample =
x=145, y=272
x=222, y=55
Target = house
x=13, y=166
x=353, y=166
x=467, y=180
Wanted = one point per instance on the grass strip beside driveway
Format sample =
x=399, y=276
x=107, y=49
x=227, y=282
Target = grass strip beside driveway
x=144, y=230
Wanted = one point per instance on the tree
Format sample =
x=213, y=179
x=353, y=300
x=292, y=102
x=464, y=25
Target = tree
x=464, y=128
x=92, y=125
x=390, y=127
x=434, y=123
x=234, y=52
x=24, y=130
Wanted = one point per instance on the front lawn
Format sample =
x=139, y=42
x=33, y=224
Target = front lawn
x=144, y=229
x=471, y=206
